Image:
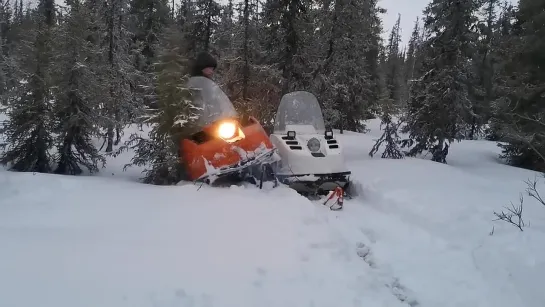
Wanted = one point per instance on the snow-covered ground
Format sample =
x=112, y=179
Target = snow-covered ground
x=418, y=234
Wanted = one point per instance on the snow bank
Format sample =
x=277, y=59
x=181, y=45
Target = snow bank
x=419, y=234
x=99, y=242
x=430, y=224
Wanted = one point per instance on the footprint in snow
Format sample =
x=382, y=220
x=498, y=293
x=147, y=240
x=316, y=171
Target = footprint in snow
x=398, y=290
x=364, y=252
x=261, y=273
x=370, y=234
x=402, y=293
x=182, y=297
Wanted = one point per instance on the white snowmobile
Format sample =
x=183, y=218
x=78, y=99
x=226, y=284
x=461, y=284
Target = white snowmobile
x=312, y=162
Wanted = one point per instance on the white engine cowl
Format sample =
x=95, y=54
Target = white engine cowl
x=299, y=160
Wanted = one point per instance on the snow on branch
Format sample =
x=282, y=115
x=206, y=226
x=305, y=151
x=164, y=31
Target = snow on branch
x=391, y=138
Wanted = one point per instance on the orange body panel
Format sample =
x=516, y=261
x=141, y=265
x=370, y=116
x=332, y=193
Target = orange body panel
x=218, y=152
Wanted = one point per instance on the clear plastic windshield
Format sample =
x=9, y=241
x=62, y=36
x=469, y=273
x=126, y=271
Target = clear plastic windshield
x=208, y=96
x=299, y=108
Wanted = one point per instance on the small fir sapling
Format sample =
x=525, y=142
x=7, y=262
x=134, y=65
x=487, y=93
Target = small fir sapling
x=169, y=120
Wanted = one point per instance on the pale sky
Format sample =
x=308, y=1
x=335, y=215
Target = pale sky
x=409, y=10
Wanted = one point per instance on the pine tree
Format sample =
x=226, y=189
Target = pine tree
x=78, y=93
x=388, y=109
x=147, y=21
x=413, y=57
x=173, y=114
x=252, y=85
x=520, y=108
x=19, y=12
x=29, y=125
x=504, y=43
x=393, y=68
x=238, y=56
x=440, y=106
x=185, y=20
x=200, y=24
x=123, y=102
x=411, y=62
x=347, y=81
x=287, y=22
x=373, y=45
x=6, y=74
x=484, y=62
x=245, y=50
x=226, y=30
x=249, y=78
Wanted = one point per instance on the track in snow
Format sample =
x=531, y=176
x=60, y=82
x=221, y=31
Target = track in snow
x=343, y=222
x=350, y=239
x=363, y=238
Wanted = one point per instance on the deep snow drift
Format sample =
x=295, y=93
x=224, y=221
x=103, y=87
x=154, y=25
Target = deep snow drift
x=418, y=234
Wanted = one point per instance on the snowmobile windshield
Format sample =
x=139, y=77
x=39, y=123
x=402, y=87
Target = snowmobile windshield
x=212, y=102
x=299, y=109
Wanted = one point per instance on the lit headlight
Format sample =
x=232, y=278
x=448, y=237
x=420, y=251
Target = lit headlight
x=227, y=130
x=313, y=145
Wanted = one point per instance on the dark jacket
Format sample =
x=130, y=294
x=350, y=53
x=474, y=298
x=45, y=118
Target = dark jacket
x=202, y=61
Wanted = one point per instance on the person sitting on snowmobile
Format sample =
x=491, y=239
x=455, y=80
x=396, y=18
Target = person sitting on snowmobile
x=204, y=65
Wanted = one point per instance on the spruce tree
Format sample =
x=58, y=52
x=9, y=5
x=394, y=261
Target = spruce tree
x=288, y=21
x=520, y=108
x=346, y=81
x=388, y=110
x=483, y=63
x=123, y=103
x=440, y=105
x=79, y=91
x=174, y=113
x=226, y=30
x=413, y=60
x=6, y=14
x=252, y=85
x=28, y=129
x=147, y=19
x=394, y=64
x=503, y=42
x=199, y=21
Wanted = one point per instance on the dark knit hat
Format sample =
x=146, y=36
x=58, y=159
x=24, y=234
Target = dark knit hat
x=202, y=61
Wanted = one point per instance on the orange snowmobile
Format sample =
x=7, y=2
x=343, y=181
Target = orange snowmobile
x=227, y=146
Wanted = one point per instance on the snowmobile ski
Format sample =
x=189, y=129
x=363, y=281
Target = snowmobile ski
x=316, y=185
x=337, y=199
x=255, y=170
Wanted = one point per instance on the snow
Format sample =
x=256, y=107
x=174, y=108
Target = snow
x=417, y=234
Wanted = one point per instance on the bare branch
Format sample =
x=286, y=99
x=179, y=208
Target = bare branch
x=513, y=215
x=533, y=192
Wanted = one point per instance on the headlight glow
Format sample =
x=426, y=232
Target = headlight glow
x=227, y=130
x=313, y=145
